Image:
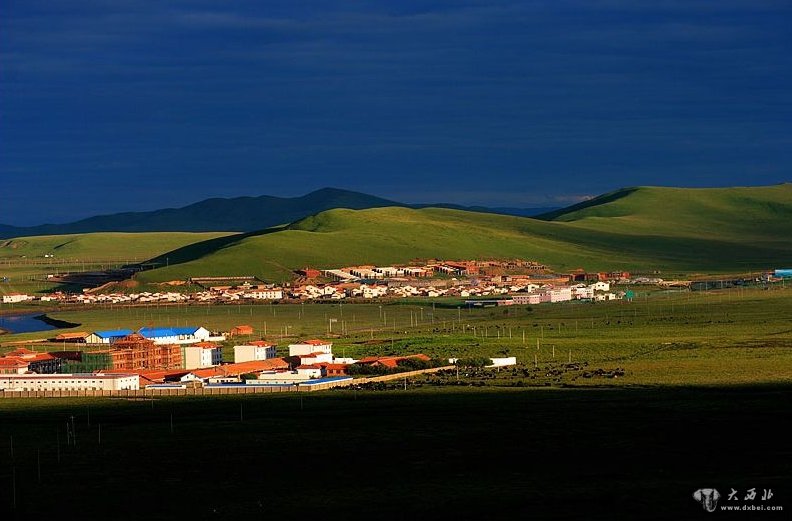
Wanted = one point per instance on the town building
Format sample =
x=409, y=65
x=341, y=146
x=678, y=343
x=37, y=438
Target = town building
x=178, y=335
x=77, y=337
x=107, y=337
x=236, y=370
x=255, y=350
x=131, y=353
x=11, y=365
x=242, y=330
x=264, y=294
x=310, y=346
x=16, y=298
x=23, y=360
x=202, y=354
x=69, y=382
x=317, y=357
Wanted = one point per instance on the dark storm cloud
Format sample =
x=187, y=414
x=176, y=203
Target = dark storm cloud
x=151, y=104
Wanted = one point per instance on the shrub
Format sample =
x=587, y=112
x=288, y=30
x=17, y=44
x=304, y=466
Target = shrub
x=473, y=362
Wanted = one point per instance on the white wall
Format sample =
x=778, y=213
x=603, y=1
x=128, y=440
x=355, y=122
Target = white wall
x=246, y=353
x=69, y=382
x=307, y=349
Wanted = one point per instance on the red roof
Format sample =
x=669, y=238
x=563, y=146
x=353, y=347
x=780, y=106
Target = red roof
x=316, y=342
x=260, y=343
x=252, y=366
x=312, y=355
x=28, y=355
x=337, y=367
x=309, y=366
x=21, y=351
x=391, y=361
x=206, y=345
x=69, y=336
x=10, y=361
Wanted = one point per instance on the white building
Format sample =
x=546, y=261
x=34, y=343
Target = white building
x=202, y=354
x=389, y=271
x=316, y=358
x=264, y=294
x=310, y=346
x=600, y=286
x=530, y=299
x=69, y=382
x=309, y=371
x=560, y=294
x=179, y=335
x=15, y=298
x=365, y=273
x=503, y=362
x=279, y=378
x=339, y=275
x=256, y=350
x=583, y=292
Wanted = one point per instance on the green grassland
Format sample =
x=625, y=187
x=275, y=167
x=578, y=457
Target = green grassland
x=22, y=259
x=642, y=229
x=100, y=246
x=473, y=453
x=732, y=336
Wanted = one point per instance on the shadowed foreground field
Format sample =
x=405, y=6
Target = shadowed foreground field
x=444, y=454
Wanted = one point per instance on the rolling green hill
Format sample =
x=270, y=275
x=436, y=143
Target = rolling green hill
x=764, y=211
x=648, y=228
x=100, y=246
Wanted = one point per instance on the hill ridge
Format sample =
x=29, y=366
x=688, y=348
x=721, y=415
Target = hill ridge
x=244, y=213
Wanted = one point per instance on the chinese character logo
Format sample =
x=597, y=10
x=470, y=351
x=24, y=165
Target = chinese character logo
x=708, y=497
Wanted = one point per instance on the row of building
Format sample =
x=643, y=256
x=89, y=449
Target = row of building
x=135, y=362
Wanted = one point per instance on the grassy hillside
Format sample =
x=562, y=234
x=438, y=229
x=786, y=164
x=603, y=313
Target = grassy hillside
x=763, y=211
x=645, y=229
x=99, y=246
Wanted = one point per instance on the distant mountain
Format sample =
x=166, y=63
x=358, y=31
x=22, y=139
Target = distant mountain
x=240, y=214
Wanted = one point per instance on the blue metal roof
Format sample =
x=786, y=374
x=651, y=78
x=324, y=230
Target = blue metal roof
x=157, y=332
x=113, y=333
x=185, y=330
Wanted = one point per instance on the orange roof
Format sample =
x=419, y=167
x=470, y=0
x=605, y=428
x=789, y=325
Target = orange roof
x=333, y=366
x=206, y=345
x=312, y=355
x=21, y=351
x=69, y=336
x=251, y=366
x=391, y=361
x=10, y=361
x=316, y=342
x=309, y=366
x=260, y=343
x=29, y=356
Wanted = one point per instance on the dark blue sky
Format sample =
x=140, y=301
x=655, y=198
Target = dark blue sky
x=115, y=105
